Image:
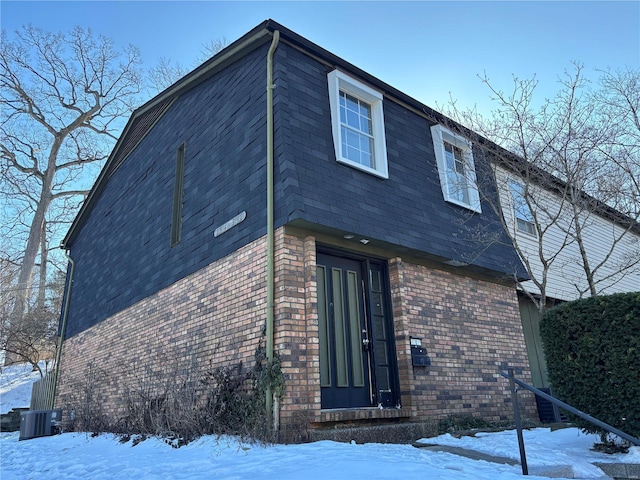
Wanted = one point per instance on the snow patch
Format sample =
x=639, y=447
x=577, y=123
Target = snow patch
x=15, y=385
x=563, y=453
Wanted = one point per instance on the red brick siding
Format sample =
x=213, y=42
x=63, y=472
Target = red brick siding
x=216, y=316
x=470, y=329
x=296, y=332
x=211, y=318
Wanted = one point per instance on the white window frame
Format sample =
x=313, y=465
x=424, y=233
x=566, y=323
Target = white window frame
x=339, y=81
x=519, y=202
x=441, y=135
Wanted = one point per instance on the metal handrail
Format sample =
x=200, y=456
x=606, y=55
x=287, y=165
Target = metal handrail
x=513, y=381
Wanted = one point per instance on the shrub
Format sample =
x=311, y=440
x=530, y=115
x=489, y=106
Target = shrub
x=85, y=408
x=181, y=403
x=457, y=423
x=592, y=348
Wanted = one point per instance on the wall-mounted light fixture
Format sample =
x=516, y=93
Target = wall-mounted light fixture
x=456, y=263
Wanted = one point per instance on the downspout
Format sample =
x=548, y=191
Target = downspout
x=270, y=233
x=63, y=327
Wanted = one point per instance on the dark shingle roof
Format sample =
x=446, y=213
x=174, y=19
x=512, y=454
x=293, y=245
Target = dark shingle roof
x=148, y=114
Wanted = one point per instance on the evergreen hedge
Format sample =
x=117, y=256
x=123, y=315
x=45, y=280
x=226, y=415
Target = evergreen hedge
x=592, y=348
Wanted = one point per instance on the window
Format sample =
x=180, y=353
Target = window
x=456, y=173
x=522, y=212
x=178, y=190
x=357, y=124
x=456, y=168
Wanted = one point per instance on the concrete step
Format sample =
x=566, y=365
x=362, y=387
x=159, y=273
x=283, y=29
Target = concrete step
x=463, y=452
x=612, y=471
x=621, y=471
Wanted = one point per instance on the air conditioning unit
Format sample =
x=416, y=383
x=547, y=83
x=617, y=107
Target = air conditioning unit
x=39, y=423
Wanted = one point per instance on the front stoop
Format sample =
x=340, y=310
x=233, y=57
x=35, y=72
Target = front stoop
x=405, y=432
x=621, y=471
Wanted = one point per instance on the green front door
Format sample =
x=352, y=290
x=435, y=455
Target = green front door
x=357, y=355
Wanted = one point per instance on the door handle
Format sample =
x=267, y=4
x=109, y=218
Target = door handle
x=365, y=340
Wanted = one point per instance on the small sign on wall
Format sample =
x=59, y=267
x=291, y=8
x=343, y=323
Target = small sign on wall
x=229, y=224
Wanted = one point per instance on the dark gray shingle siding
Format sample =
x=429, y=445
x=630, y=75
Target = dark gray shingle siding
x=406, y=209
x=123, y=251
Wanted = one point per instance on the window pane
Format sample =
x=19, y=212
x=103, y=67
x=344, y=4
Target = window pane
x=458, y=187
x=357, y=366
x=456, y=177
x=339, y=329
x=365, y=144
x=522, y=212
x=178, y=194
x=464, y=188
x=357, y=147
x=353, y=119
x=323, y=329
x=520, y=205
x=365, y=125
x=365, y=159
x=352, y=138
x=353, y=154
x=365, y=118
x=525, y=226
x=450, y=161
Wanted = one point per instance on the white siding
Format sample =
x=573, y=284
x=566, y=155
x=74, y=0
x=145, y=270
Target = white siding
x=566, y=277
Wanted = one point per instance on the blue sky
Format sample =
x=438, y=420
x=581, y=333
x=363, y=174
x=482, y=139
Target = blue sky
x=426, y=49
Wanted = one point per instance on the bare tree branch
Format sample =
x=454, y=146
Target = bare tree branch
x=577, y=162
x=63, y=98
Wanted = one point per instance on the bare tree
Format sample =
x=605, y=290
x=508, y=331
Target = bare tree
x=166, y=72
x=63, y=98
x=619, y=100
x=32, y=339
x=561, y=167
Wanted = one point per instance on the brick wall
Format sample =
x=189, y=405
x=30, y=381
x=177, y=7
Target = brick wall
x=296, y=333
x=216, y=316
x=213, y=317
x=470, y=328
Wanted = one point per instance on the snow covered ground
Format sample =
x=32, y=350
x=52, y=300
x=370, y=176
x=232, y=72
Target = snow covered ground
x=80, y=456
x=15, y=385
